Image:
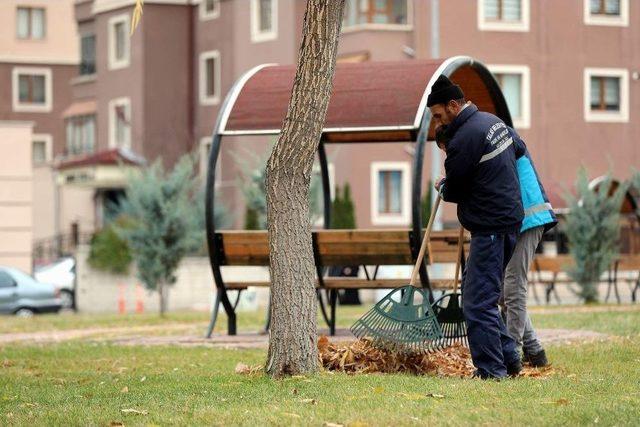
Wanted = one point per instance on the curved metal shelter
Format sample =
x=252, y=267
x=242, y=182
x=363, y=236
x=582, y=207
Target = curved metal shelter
x=370, y=102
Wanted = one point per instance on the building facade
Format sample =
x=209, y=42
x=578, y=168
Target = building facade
x=569, y=71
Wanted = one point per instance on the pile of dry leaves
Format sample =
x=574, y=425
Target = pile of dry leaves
x=361, y=356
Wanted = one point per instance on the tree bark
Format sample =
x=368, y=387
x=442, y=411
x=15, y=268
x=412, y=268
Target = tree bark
x=293, y=332
x=162, y=290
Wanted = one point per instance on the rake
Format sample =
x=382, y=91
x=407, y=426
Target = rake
x=403, y=320
x=448, y=308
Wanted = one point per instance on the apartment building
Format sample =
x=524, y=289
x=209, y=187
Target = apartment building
x=38, y=57
x=569, y=71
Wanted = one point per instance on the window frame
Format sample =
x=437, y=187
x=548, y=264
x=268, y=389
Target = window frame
x=524, y=121
x=113, y=143
x=204, y=98
x=20, y=107
x=620, y=116
x=113, y=62
x=30, y=29
x=258, y=36
x=383, y=27
x=207, y=16
x=603, y=20
x=512, y=26
x=48, y=148
x=402, y=218
x=79, y=121
x=95, y=59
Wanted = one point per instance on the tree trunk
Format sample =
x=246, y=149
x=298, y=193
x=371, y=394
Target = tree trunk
x=162, y=292
x=293, y=333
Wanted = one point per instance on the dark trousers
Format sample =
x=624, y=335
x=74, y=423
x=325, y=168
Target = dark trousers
x=489, y=342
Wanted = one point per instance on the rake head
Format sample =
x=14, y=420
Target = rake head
x=403, y=321
x=448, y=311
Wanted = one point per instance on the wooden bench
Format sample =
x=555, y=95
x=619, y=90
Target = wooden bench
x=552, y=266
x=629, y=264
x=557, y=265
x=333, y=248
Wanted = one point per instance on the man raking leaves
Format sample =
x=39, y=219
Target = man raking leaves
x=481, y=178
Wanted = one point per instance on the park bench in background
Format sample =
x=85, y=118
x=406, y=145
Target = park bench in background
x=334, y=248
x=552, y=270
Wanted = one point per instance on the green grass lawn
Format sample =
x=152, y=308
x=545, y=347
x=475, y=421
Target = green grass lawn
x=84, y=383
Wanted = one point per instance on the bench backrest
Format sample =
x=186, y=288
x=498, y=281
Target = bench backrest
x=340, y=247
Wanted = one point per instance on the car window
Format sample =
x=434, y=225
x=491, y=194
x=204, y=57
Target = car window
x=22, y=278
x=6, y=281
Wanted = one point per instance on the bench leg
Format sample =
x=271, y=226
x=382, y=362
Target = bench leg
x=548, y=293
x=635, y=289
x=333, y=296
x=323, y=309
x=615, y=289
x=532, y=285
x=555, y=292
x=214, y=315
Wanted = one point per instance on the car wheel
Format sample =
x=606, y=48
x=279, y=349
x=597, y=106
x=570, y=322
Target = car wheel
x=67, y=300
x=24, y=312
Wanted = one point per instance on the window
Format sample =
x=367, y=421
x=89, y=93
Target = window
x=390, y=201
x=514, y=81
x=81, y=134
x=42, y=149
x=31, y=23
x=87, y=54
x=120, y=123
x=31, y=89
x=503, y=15
x=6, y=281
x=606, y=95
x=264, y=20
x=209, y=9
x=209, y=80
x=119, y=42
x=606, y=12
x=385, y=13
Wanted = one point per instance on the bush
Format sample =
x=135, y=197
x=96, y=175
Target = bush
x=109, y=252
x=593, y=230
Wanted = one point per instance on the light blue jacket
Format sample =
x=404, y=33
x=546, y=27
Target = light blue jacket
x=537, y=209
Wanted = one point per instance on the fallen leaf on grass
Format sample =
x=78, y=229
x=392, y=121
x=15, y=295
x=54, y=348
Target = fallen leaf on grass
x=134, y=411
x=143, y=379
x=378, y=390
x=6, y=363
x=311, y=401
x=125, y=389
x=437, y=396
x=243, y=369
x=294, y=391
x=332, y=425
x=116, y=424
x=562, y=402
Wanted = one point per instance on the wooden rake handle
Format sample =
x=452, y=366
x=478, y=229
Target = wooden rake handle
x=425, y=242
x=458, y=259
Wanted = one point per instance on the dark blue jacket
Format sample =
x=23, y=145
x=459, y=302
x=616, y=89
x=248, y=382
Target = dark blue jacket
x=481, y=173
x=537, y=209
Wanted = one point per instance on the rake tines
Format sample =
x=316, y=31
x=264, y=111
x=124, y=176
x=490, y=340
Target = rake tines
x=402, y=325
x=449, y=313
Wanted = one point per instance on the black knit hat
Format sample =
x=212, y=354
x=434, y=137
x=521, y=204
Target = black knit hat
x=443, y=91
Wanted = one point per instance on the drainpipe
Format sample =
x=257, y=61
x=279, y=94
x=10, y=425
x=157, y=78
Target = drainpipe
x=435, y=151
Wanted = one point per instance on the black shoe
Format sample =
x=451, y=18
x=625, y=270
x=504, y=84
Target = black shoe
x=537, y=360
x=514, y=368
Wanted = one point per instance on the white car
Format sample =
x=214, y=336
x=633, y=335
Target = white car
x=61, y=274
x=22, y=295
